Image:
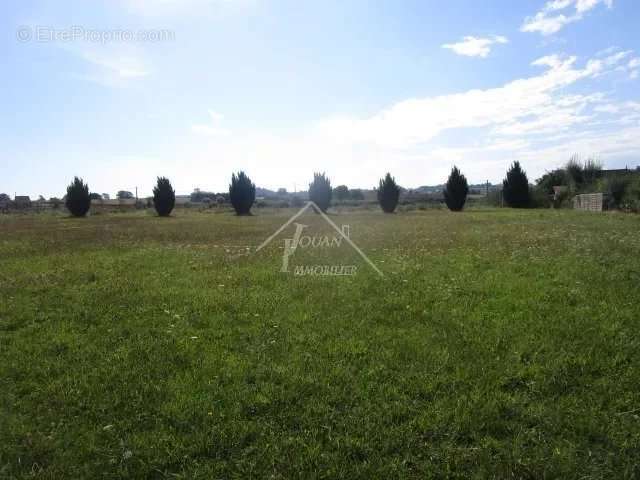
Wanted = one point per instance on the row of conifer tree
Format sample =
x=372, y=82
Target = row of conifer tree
x=242, y=193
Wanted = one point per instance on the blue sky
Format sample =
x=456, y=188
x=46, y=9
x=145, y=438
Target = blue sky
x=283, y=88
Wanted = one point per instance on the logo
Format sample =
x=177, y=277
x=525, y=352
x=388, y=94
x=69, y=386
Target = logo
x=303, y=240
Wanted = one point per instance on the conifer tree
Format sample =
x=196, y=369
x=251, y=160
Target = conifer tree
x=242, y=193
x=456, y=190
x=388, y=194
x=515, y=187
x=320, y=191
x=164, y=197
x=78, y=199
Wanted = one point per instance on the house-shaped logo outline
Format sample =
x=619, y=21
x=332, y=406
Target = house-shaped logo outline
x=331, y=223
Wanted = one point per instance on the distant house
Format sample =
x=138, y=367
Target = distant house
x=22, y=201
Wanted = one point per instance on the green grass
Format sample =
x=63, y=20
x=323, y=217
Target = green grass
x=499, y=344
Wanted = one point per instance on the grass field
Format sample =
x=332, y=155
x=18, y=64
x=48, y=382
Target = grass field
x=499, y=344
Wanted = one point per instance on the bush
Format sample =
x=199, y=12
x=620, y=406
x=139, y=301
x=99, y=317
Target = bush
x=554, y=178
x=591, y=170
x=631, y=199
x=341, y=192
x=456, y=190
x=78, y=199
x=616, y=190
x=297, y=202
x=538, y=198
x=388, y=194
x=574, y=172
x=320, y=191
x=164, y=197
x=124, y=195
x=582, y=174
x=242, y=193
x=515, y=187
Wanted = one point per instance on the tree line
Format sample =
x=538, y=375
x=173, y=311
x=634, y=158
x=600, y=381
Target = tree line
x=242, y=192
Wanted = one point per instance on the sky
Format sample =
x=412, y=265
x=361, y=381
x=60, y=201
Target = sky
x=119, y=92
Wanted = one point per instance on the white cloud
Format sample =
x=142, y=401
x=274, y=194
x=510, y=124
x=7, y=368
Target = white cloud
x=213, y=128
x=555, y=121
x=607, y=108
x=534, y=119
x=624, y=108
x=634, y=67
x=109, y=65
x=631, y=67
x=616, y=57
x=607, y=51
x=553, y=17
x=552, y=61
x=475, y=46
x=121, y=66
x=415, y=121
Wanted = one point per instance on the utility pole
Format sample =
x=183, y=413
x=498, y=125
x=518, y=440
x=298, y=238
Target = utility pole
x=136, y=194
